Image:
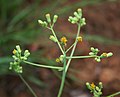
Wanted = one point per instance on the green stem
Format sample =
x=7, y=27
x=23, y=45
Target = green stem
x=80, y=57
x=31, y=90
x=66, y=66
x=57, y=40
x=75, y=44
x=69, y=48
x=44, y=66
x=63, y=78
x=117, y=93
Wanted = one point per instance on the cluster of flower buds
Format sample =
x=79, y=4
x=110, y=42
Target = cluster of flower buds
x=45, y=23
x=94, y=53
x=18, y=58
x=96, y=90
x=77, y=18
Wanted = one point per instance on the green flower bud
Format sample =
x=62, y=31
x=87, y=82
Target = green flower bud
x=70, y=19
x=45, y=24
x=15, y=58
x=40, y=22
x=53, y=38
x=96, y=50
x=88, y=85
x=48, y=18
x=92, y=48
x=80, y=12
x=73, y=22
x=18, y=48
x=97, y=88
x=61, y=58
x=26, y=53
x=100, y=85
x=109, y=54
x=97, y=59
x=55, y=18
x=76, y=15
x=91, y=54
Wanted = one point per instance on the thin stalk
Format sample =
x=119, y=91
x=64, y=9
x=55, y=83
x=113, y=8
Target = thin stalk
x=57, y=40
x=117, y=93
x=80, y=57
x=69, y=48
x=66, y=66
x=63, y=78
x=31, y=90
x=68, y=63
x=44, y=66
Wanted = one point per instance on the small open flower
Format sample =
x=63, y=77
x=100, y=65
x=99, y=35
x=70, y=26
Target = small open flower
x=79, y=38
x=57, y=60
x=14, y=51
x=63, y=40
x=104, y=54
x=92, y=86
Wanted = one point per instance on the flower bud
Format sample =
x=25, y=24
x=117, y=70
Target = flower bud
x=40, y=22
x=18, y=48
x=97, y=88
x=76, y=15
x=45, y=24
x=98, y=59
x=61, y=58
x=92, y=48
x=80, y=12
x=15, y=58
x=100, y=85
x=88, y=85
x=26, y=53
x=48, y=18
x=109, y=54
x=91, y=54
x=53, y=38
x=55, y=18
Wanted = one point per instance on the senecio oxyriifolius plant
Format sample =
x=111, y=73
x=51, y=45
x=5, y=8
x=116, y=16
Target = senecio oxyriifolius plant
x=64, y=58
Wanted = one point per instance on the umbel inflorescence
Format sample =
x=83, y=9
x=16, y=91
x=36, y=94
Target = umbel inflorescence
x=64, y=58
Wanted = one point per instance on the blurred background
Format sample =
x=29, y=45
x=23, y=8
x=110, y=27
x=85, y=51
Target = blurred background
x=18, y=25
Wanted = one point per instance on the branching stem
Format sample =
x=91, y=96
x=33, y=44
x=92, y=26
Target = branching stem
x=45, y=66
